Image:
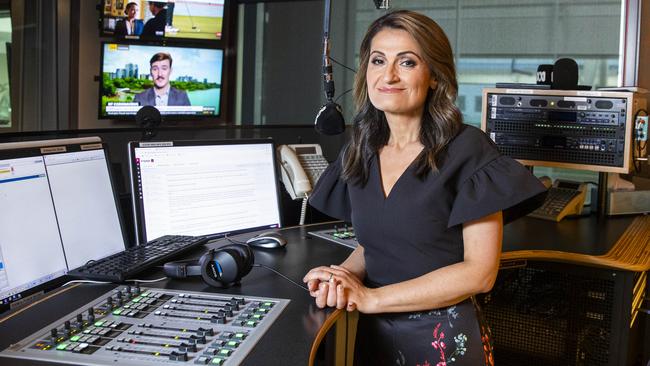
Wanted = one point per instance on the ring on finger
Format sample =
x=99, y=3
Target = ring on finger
x=331, y=277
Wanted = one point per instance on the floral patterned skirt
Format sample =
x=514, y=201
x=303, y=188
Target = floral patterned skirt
x=452, y=336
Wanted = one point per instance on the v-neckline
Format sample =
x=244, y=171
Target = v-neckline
x=383, y=192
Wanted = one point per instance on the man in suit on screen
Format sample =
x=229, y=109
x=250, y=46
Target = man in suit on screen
x=162, y=93
x=155, y=27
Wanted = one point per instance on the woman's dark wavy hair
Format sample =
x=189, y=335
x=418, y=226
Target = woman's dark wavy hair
x=441, y=119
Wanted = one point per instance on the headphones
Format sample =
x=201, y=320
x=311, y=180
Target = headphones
x=221, y=267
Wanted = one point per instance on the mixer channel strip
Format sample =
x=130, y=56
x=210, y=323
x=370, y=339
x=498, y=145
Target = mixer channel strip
x=133, y=326
x=339, y=235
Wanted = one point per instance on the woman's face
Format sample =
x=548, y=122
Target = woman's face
x=397, y=78
x=132, y=11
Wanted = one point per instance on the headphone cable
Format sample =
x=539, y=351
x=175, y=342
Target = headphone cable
x=233, y=241
x=281, y=275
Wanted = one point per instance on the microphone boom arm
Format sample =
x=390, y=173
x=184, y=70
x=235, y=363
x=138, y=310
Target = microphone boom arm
x=328, y=79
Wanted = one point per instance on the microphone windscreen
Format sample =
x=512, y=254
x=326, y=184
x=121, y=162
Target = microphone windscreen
x=329, y=120
x=148, y=117
x=545, y=74
x=565, y=74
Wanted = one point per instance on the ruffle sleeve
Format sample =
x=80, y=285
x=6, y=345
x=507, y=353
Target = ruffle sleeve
x=501, y=185
x=330, y=195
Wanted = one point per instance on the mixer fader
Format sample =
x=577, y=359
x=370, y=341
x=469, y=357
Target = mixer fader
x=148, y=326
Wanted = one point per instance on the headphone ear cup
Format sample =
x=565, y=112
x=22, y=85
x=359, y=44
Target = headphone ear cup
x=219, y=268
x=248, y=259
x=227, y=265
x=245, y=258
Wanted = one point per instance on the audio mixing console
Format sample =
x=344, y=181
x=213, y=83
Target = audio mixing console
x=340, y=235
x=148, y=326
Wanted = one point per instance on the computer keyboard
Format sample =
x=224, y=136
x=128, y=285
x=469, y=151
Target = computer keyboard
x=124, y=265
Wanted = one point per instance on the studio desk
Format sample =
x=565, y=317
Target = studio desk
x=567, y=293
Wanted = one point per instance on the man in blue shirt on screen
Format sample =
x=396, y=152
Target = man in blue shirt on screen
x=162, y=93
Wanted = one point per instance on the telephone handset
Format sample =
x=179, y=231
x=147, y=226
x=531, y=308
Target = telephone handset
x=301, y=166
x=564, y=198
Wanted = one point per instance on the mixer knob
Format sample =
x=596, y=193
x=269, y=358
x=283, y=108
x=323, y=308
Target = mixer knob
x=205, y=331
x=219, y=319
x=226, y=312
x=184, y=347
x=54, y=335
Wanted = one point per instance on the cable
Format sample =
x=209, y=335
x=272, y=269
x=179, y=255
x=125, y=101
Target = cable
x=146, y=281
x=267, y=267
x=281, y=275
x=342, y=65
x=84, y=281
x=342, y=94
x=303, y=209
x=640, y=145
x=108, y=282
x=233, y=241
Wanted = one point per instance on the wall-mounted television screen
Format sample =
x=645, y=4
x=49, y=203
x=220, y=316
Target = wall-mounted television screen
x=180, y=81
x=184, y=19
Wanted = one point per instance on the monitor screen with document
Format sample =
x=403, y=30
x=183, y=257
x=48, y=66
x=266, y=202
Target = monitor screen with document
x=203, y=188
x=59, y=212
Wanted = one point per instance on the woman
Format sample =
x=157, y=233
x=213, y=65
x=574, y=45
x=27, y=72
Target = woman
x=427, y=197
x=129, y=26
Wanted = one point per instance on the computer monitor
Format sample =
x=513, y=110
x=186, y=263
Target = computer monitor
x=178, y=19
x=184, y=82
x=59, y=211
x=203, y=188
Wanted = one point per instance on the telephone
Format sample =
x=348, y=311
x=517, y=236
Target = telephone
x=301, y=166
x=564, y=198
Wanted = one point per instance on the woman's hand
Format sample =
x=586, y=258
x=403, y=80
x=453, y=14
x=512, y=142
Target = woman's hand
x=351, y=293
x=336, y=286
x=323, y=287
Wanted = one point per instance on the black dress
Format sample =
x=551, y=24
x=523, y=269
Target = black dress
x=417, y=229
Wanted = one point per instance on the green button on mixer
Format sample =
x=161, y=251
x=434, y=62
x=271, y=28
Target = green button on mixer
x=74, y=338
x=62, y=346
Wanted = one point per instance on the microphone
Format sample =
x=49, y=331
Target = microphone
x=329, y=120
x=149, y=118
x=565, y=74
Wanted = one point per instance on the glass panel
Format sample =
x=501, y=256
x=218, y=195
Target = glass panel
x=493, y=41
x=5, y=49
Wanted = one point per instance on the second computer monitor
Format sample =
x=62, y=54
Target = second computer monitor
x=201, y=188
